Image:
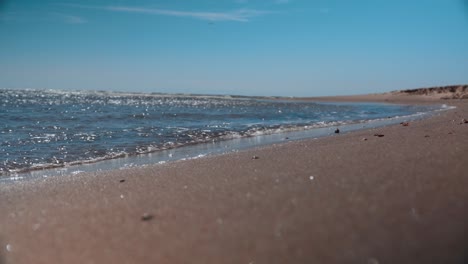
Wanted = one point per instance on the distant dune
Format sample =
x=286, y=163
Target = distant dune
x=442, y=92
x=420, y=95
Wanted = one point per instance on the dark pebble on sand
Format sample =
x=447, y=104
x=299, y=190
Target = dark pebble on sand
x=464, y=121
x=426, y=136
x=404, y=123
x=122, y=181
x=379, y=135
x=255, y=157
x=146, y=217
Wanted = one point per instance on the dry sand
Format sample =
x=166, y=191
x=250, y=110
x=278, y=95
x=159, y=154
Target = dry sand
x=400, y=198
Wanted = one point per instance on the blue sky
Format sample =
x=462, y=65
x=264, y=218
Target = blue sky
x=249, y=47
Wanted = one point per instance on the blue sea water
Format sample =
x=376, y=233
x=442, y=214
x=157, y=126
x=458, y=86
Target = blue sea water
x=51, y=128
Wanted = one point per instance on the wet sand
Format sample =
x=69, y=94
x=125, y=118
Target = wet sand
x=400, y=198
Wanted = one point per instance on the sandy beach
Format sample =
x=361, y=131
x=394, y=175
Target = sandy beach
x=349, y=198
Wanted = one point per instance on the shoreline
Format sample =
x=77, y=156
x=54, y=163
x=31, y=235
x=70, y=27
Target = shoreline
x=223, y=146
x=399, y=198
x=207, y=149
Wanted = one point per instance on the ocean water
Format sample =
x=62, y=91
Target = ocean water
x=50, y=128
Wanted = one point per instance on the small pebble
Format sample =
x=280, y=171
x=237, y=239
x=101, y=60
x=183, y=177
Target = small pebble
x=36, y=226
x=378, y=135
x=146, y=217
x=426, y=136
x=122, y=181
x=464, y=121
x=404, y=123
x=255, y=157
x=311, y=178
x=364, y=139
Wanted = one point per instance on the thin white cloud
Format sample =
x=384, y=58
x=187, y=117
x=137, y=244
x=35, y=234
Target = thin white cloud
x=240, y=15
x=69, y=19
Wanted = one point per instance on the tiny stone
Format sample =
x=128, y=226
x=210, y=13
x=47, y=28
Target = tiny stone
x=378, y=135
x=311, y=178
x=9, y=247
x=122, y=181
x=255, y=157
x=146, y=217
x=35, y=227
x=426, y=136
x=364, y=139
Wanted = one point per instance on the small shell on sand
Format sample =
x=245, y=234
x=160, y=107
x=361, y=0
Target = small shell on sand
x=146, y=217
